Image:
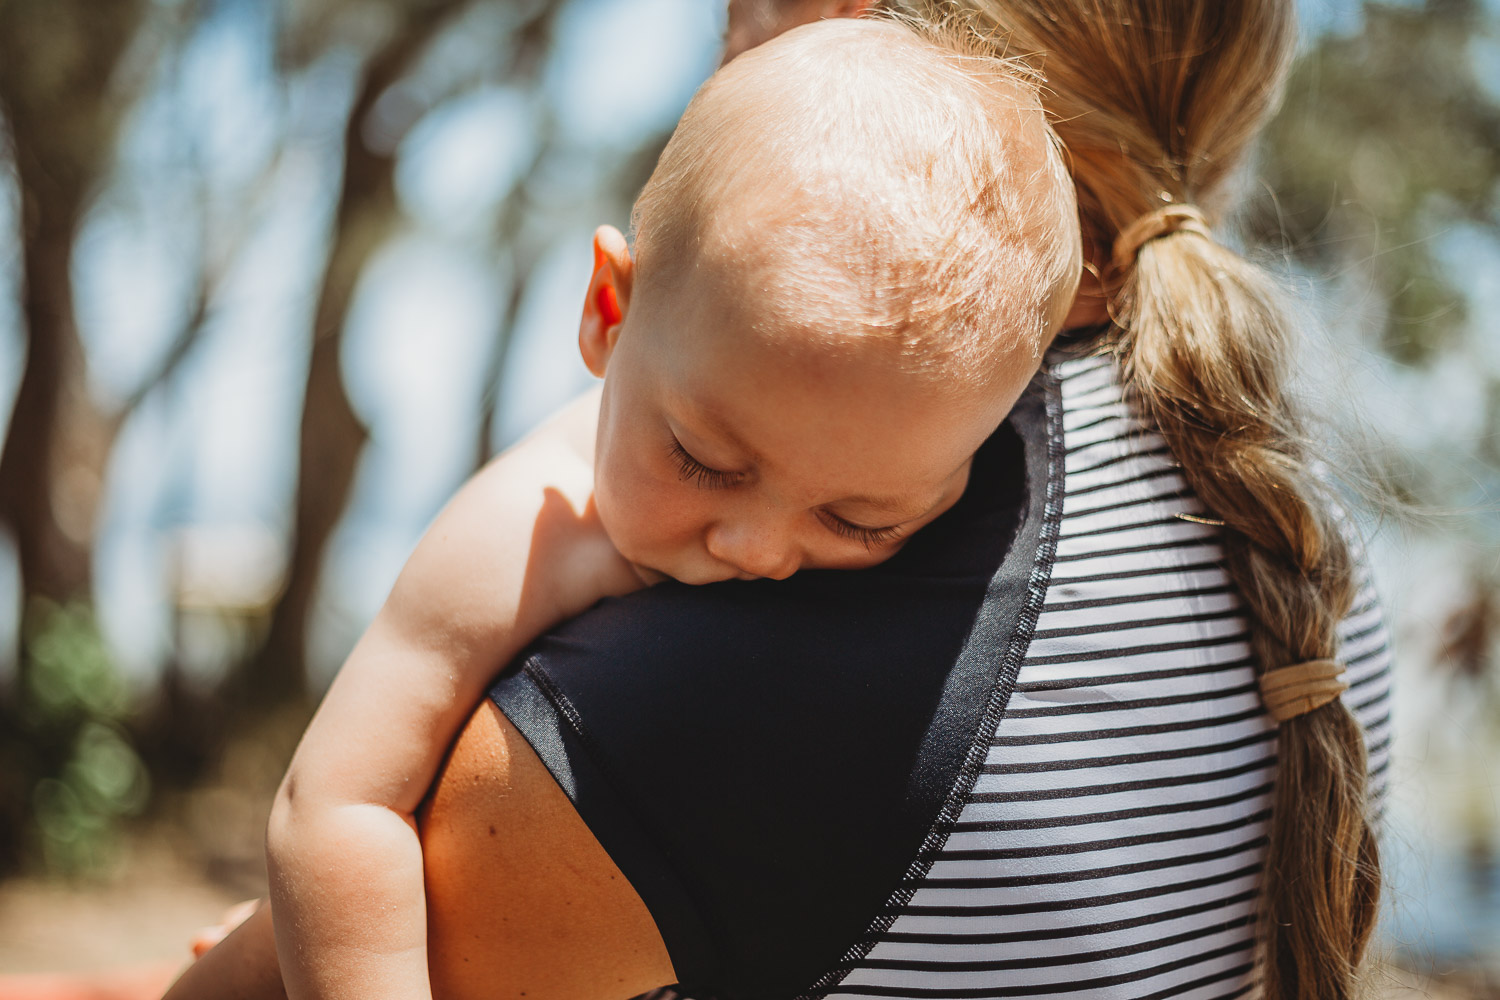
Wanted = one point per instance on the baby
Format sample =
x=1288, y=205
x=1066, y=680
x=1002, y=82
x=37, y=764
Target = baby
x=846, y=266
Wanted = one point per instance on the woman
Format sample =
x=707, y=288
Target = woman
x=1028, y=756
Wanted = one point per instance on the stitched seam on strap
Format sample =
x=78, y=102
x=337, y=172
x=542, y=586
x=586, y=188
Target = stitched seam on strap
x=1015, y=653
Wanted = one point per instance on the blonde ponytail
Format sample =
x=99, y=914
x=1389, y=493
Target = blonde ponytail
x=1204, y=340
x=1156, y=103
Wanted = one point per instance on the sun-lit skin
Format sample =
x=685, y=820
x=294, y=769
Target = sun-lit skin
x=735, y=444
x=791, y=382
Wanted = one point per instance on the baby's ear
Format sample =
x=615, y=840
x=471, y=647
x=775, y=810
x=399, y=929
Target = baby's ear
x=608, y=299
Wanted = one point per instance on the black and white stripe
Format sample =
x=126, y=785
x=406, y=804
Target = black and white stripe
x=1112, y=844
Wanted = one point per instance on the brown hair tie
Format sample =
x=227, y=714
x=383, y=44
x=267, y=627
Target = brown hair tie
x=1164, y=221
x=1296, y=690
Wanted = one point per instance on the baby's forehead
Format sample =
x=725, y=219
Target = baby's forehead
x=787, y=258
x=825, y=259
x=749, y=288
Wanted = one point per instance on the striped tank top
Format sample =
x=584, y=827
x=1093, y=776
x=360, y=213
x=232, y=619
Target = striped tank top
x=1025, y=757
x=1112, y=843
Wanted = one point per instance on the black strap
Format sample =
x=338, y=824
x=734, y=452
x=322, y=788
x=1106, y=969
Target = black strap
x=770, y=762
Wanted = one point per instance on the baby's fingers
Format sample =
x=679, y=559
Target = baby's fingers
x=206, y=937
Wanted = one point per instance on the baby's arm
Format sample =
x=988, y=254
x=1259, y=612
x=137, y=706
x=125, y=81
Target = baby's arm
x=517, y=550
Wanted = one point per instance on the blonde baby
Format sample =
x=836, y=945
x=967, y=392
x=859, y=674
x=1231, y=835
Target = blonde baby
x=845, y=269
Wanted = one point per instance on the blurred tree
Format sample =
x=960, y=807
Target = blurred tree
x=1383, y=161
x=63, y=95
x=1388, y=138
x=515, y=228
x=332, y=436
x=62, y=98
x=1389, y=144
x=69, y=76
x=58, y=61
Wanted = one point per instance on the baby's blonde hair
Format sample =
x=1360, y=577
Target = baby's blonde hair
x=903, y=190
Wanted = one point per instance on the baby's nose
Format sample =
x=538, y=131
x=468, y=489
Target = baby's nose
x=755, y=549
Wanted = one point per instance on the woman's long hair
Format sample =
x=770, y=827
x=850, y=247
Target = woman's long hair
x=1156, y=102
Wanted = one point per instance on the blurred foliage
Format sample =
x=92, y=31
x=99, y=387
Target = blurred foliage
x=75, y=753
x=1388, y=139
x=347, y=82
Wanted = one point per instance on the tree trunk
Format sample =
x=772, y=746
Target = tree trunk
x=332, y=436
x=57, y=60
x=51, y=403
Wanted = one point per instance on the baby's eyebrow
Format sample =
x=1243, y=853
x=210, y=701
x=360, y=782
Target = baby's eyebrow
x=724, y=430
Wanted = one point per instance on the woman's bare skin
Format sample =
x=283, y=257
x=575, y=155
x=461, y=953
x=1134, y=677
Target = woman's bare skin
x=521, y=899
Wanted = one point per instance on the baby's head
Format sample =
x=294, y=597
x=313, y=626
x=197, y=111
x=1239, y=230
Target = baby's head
x=847, y=265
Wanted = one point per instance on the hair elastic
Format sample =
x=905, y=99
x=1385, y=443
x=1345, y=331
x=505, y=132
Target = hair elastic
x=1164, y=221
x=1301, y=688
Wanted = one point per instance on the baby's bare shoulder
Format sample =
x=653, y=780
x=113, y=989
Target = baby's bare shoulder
x=472, y=565
x=558, y=455
x=489, y=523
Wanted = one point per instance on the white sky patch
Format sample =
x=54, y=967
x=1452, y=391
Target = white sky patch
x=131, y=285
x=234, y=393
x=232, y=103
x=419, y=331
x=1484, y=60
x=1470, y=255
x=242, y=387
x=463, y=157
x=624, y=70
x=545, y=370
x=130, y=567
x=1318, y=17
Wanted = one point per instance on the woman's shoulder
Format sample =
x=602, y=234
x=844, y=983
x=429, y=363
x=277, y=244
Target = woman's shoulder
x=765, y=758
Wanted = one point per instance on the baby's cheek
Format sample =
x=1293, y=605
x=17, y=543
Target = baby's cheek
x=668, y=518
x=638, y=513
x=611, y=498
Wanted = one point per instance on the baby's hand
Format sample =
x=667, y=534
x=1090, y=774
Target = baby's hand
x=207, y=937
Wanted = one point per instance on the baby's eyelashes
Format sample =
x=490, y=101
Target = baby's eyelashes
x=869, y=537
x=707, y=477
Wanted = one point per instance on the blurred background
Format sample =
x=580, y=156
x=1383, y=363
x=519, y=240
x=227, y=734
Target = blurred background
x=277, y=275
